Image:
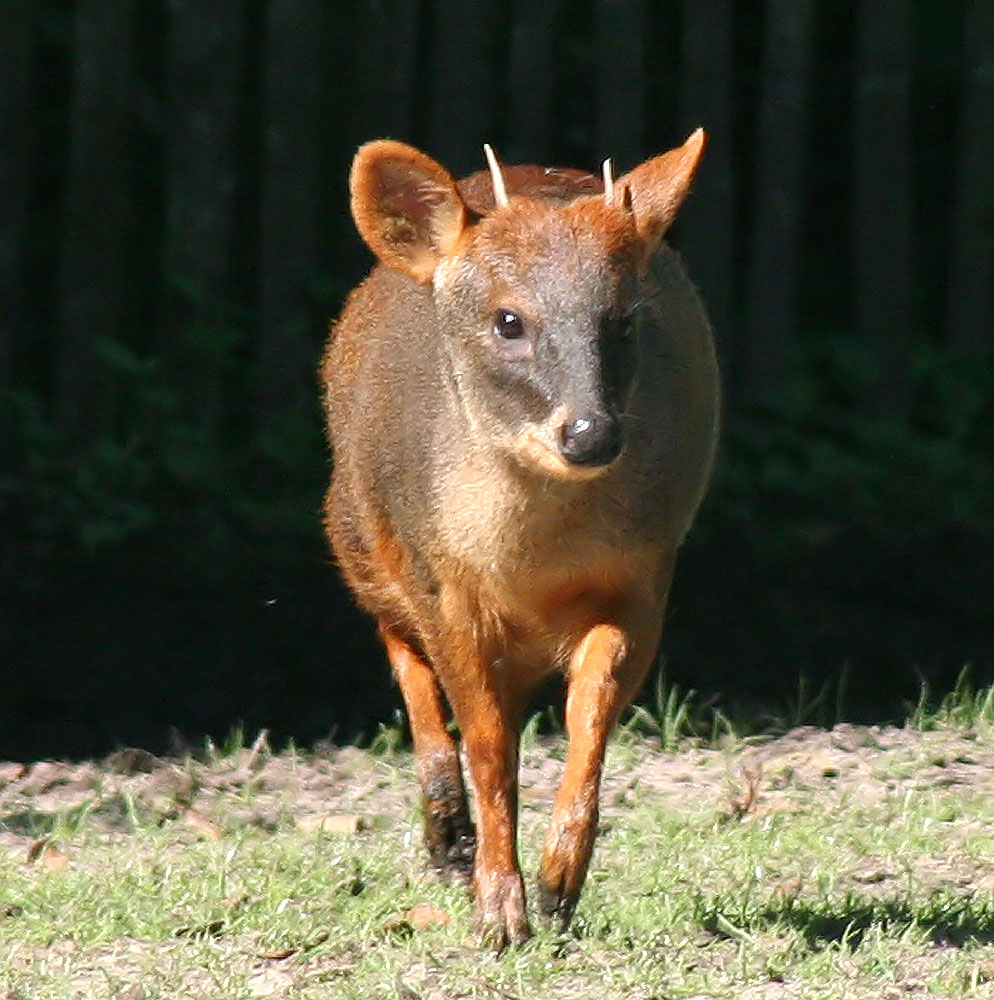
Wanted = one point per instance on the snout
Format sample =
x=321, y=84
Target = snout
x=591, y=439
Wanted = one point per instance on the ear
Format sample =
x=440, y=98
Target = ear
x=406, y=207
x=656, y=189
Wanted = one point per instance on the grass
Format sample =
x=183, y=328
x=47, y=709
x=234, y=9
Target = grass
x=965, y=707
x=847, y=864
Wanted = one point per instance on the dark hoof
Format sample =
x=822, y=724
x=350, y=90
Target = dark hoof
x=449, y=835
x=453, y=862
x=555, y=907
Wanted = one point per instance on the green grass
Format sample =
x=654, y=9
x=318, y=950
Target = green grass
x=965, y=707
x=866, y=875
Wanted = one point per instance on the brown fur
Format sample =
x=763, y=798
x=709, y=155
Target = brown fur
x=489, y=559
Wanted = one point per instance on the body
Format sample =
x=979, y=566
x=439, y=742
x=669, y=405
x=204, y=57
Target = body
x=510, y=510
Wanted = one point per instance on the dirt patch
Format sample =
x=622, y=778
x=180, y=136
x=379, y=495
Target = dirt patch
x=865, y=762
x=254, y=787
x=347, y=790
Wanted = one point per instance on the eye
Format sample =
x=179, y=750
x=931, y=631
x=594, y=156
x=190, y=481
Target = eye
x=508, y=325
x=618, y=327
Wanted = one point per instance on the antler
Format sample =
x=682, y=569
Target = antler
x=608, y=172
x=500, y=192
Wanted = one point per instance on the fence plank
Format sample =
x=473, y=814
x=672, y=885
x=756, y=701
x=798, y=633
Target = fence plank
x=466, y=61
x=295, y=135
x=204, y=66
x=465, y=57
x=706, y=225
x=383, y=86
x=970, y=291
x=882, y=199
x=91, y=280
x=619, y=81
x=532, y=82
x=15, y=143
x=772, y=271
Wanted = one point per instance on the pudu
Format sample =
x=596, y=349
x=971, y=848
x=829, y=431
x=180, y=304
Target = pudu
x=522, y=405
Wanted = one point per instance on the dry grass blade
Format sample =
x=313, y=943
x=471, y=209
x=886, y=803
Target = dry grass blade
x=742, y=801
x=258, y=751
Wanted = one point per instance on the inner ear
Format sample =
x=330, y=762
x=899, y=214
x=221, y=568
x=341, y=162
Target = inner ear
x=406, y=207
x=655, y=190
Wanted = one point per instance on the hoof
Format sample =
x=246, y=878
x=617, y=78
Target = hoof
x=449, y=833
x=453, y=861
x=503, y=919
x=557, y=907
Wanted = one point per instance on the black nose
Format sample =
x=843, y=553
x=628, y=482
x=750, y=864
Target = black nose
x=591, y=439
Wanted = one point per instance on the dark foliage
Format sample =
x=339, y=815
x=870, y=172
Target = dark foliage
x=161, y=456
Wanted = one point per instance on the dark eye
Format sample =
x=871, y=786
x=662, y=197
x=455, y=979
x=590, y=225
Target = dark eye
x=618, y=327
x=508, y=325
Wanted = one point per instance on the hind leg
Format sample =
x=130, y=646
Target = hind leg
x=448, y=830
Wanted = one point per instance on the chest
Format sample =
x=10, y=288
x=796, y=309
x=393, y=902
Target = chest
x=541, y=566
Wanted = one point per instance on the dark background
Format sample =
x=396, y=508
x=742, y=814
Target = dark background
x=174, y=236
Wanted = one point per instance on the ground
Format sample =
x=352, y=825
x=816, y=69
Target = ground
x=850, y=862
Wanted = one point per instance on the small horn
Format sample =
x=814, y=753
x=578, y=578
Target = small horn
x=626, y=198
x=500, y=192
x=608, y=171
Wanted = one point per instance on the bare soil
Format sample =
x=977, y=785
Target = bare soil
x=253, y=787
x=749, y=779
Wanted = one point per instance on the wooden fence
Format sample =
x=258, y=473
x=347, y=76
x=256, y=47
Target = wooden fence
x=173, y=171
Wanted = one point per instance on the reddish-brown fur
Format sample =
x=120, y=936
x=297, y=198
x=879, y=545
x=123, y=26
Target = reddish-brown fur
x=490, y=555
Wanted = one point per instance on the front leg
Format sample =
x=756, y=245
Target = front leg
x=606, y=671
x=488, y=709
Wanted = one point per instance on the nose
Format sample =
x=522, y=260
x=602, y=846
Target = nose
x=591, y=439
